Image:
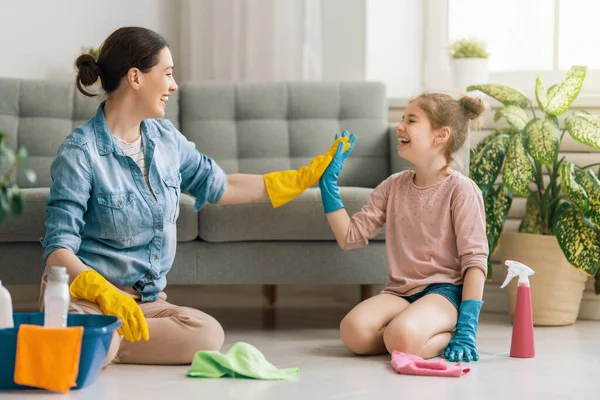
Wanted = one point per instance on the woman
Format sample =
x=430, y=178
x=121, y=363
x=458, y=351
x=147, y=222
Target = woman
x=114, y=202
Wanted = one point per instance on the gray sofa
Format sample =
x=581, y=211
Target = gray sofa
x=251, y=128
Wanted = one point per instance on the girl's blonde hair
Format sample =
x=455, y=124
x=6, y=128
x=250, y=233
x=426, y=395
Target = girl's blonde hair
x=443, y=110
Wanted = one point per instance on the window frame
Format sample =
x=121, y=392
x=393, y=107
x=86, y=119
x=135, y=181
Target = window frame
x=436, y=65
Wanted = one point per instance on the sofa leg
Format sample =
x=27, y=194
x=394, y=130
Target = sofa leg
x=366, y=291
x=270, y=293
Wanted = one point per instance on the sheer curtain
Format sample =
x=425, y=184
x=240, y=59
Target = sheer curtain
x=251, y=40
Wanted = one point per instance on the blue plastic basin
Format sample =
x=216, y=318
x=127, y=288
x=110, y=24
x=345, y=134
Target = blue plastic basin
x=97, y=335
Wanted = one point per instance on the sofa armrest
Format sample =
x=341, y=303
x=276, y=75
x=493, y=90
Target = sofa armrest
x=397, y=163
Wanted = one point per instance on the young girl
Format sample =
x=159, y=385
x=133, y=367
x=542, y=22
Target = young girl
x=113, y=203
x=435, y=237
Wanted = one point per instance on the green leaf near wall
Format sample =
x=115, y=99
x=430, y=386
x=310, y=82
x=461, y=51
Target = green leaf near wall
x=559, y=99
x=584, y=128
x=496, y=216
x=542, y=139
x=541, y=95
x=504, y=94
x=16, y=200
x=578, y=238
x=571, y=188
x=4, y=204
x=487, y=164
x=518, y=170
x=500, y=131
x=591, y=185
x=532, y=222
x=514, y=115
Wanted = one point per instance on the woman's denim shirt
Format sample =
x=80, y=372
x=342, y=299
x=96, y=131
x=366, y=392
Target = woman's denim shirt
x=102, y=210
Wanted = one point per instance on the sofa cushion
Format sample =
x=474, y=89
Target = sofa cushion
x=187, y=226
x=29, y=226
x=257, y=128
x=301, y=219
x=39, y=115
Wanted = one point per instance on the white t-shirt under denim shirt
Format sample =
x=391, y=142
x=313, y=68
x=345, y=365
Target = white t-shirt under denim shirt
x=135, y=150
x=102, y=209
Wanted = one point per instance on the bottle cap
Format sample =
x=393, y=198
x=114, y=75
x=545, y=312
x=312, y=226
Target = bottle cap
x=58, y=274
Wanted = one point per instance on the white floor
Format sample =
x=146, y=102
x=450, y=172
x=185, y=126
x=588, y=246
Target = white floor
x=566, y=366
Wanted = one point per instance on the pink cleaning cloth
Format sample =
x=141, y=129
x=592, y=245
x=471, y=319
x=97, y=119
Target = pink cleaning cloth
x=413, y=365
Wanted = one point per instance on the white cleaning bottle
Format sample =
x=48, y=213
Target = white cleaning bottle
x=57, y=298
x=6, y=309
x=522, y=343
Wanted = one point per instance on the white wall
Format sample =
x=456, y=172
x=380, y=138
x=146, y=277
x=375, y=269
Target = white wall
x=394, y=45
x=343, y=40
x=41, y=39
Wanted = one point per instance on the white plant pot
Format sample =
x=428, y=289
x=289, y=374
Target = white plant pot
x=468, y=71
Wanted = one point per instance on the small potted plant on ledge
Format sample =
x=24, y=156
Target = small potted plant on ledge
x=561, y=227
x=469, y=63
x=11, y=199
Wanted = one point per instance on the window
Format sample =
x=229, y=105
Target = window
x=518, y=33
x=406, y=41
x=531, y=37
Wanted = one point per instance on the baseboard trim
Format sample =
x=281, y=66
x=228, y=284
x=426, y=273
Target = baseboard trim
x=590, y=306
x=496, y=301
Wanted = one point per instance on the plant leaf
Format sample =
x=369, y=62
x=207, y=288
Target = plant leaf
x=532, y=222
x=542, y=139
x=580, y=112
x=561, y=98
x=495, y=219
x=591, y=185
x=518, y=171
x=21, y=154
x=571, y=188
x=500, y=131
x=584, y=128
x=504, y=94
x=552, y=90
x=3, y=214
x=7, y=156
x=540, y=94
x=488, y=201
x=4, y=202
x=487, y=164
x=515, y=116
x=16, y=200
x=578, y=238
x=30, y=174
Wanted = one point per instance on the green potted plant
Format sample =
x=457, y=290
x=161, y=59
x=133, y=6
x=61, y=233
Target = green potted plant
x=469, y=62
x=561, y=227
x=11, y=199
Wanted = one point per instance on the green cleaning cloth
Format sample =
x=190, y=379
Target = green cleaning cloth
x=241, y=361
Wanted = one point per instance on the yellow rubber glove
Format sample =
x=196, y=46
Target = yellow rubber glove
x=285, y=186
x=92, y=286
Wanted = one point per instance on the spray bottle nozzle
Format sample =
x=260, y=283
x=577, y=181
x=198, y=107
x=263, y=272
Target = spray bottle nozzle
x=516, y=268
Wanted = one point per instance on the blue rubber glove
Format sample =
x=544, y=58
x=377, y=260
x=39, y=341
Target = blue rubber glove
x=463, y=344
x=330, y=193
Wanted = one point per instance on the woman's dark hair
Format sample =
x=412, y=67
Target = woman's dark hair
x=125, y=48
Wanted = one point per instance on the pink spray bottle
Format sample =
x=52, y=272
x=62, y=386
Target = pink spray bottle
x=522, y=343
